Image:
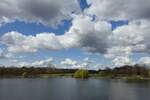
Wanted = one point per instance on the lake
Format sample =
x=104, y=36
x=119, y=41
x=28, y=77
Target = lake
x=73, y=89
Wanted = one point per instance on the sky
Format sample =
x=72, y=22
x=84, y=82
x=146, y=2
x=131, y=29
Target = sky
x=92, y=34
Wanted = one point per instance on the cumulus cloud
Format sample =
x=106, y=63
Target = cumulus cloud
x=96, y=36
x=117, y=51
x=43, y=63
x=134, y=35
x=2, y=54
x=46, y=12
x=144, y=61
x=128, y=39
x=5, y=55
x=18, y=42
x=39, y=63
x=87, y=34
x=86, y=63
x=119, y=9
x=68, y=62
x=120, y=61
x=21, y=64
x=84, y=33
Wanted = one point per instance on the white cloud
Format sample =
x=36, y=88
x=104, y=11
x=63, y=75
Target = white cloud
x=134, y=35
x=128, y=39
x=43, y=63
x=21, y=64
x=120, y=61
x=84, y=33
x=69, y=62
x=4, y=54
x=117, y=51
x=144, y=60
x=46, y=12
x=18, y=42
x=119, y=9
x=87, y=34
x=86, y=63
x=14, y=60
x=39, y=63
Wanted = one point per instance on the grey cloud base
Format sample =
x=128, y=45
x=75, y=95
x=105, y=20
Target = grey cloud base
x=119, y=9
x=46, y=12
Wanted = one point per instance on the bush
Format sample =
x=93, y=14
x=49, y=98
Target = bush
x=81, y=73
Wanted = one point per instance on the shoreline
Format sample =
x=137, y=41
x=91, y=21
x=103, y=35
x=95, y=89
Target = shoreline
x=126, y=78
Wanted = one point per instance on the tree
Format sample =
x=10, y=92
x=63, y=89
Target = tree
x=149, y=72
x=24, y=74
x=81, y=73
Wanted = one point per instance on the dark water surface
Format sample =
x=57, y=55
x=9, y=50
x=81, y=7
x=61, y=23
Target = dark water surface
x=72, y=89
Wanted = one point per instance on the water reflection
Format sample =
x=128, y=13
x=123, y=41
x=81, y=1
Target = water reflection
x=72, y=89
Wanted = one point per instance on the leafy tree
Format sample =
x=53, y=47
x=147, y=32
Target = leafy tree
x=81, y=73
x=24, y=74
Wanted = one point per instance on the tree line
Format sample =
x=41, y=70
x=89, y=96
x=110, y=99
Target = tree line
x=126, y=70
x=37, y=71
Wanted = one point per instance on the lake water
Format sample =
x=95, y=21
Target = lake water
x=72, y=89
